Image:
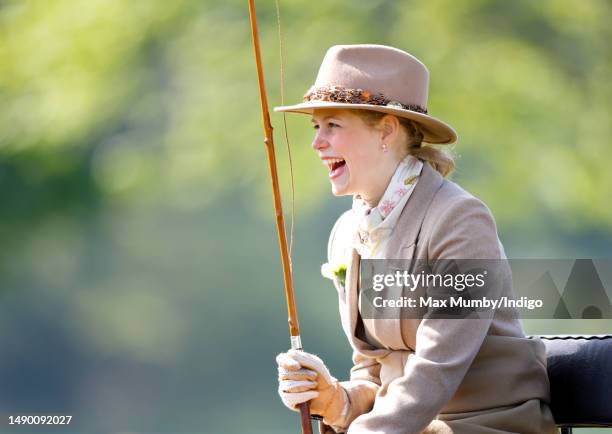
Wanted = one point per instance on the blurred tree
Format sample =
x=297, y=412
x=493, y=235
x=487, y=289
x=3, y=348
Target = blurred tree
x=132, y=170
x=160, y=97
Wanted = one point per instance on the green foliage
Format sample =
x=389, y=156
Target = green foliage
x=160, y=98
x=139, y=253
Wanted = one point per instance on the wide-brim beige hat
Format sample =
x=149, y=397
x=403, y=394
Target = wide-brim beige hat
x=377, y=78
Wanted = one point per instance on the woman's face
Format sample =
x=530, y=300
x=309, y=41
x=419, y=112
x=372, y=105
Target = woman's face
x=351, y=150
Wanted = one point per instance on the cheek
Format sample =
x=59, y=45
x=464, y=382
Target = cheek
x=349, y=145
x=365, y=155
x=360, y=159
x=358, y=148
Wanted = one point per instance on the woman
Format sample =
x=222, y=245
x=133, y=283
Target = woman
x=410, y=375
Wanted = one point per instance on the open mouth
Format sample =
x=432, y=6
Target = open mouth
x=335, y=166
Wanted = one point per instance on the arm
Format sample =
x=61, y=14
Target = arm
x=360, y=389
x=445, y=348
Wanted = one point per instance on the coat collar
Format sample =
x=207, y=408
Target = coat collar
x=411, y=219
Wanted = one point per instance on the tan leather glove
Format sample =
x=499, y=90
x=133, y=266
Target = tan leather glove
x=304, y=377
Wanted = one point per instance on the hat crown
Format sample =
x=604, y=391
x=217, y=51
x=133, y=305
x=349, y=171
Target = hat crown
x=398, y=75
x=377, y=78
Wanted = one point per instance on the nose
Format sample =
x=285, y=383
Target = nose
x=319, y=142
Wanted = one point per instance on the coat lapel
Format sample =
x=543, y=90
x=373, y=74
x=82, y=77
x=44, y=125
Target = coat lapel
x=401, y=244
x=352, y=287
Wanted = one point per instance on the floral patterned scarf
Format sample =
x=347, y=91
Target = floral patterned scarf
x=374, y=225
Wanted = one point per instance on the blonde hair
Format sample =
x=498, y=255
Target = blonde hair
x=441, y=159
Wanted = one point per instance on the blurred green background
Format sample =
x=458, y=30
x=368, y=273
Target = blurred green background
x=140, y=285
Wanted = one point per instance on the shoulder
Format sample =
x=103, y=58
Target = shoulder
x=459, y=225
x=341, y=236
x=451, y=199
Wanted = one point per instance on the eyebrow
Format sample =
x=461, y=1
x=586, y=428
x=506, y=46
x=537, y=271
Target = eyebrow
x=324, y=119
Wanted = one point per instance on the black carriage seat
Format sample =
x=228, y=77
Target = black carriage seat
x=580, y=373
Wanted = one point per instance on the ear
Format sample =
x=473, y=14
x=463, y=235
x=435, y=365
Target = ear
x=390, y=128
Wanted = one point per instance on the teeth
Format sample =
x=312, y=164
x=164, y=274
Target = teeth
x=329, y=162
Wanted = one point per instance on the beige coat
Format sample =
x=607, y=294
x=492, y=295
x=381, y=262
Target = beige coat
x=467, y=376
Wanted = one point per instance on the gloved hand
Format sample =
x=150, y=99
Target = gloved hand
x=304, y=377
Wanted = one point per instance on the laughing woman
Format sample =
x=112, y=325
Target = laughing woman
x=372, y=130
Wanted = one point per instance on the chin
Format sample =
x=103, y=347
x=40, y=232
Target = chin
x=341, y=186
x=340, y=190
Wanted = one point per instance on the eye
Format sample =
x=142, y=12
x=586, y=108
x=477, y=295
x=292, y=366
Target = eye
x=332, y=125
x=315, y=126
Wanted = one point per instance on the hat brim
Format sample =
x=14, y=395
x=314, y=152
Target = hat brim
x=434, y=130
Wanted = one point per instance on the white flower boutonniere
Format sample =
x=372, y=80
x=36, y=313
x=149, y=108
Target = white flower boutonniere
x=334, y=271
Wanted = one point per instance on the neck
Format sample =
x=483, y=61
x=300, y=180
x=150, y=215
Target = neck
x=381, y=181
x=372, y=197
